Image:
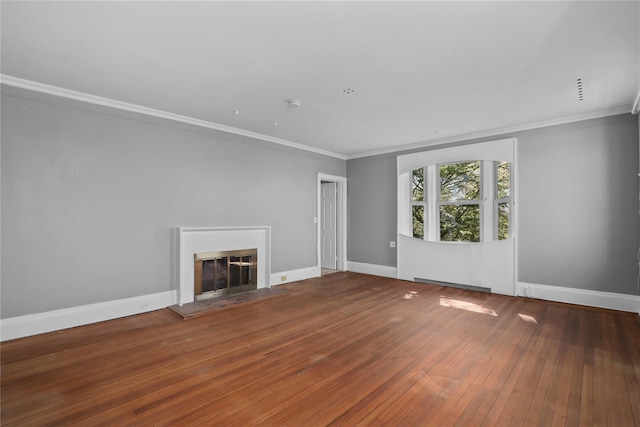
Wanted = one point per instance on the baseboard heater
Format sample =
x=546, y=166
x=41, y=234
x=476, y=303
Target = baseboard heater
x=452, y=285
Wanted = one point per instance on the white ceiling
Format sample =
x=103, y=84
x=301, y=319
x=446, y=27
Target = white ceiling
x=420, y=72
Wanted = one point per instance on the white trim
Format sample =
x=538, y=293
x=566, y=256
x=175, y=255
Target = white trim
x=33, y=324
x=493, y=132
x=341, y=219
x=125, y=106
x=282, y=277
x=622, y=302
x=373, y=269
x=515, y=212
x=636, y=105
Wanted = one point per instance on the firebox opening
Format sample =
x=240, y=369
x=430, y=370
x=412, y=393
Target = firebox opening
x=224, y=273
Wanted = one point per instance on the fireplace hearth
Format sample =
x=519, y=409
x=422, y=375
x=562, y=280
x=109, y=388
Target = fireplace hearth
x=223, y=273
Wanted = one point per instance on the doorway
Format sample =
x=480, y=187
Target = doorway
x=331, y=223
x=328, y=230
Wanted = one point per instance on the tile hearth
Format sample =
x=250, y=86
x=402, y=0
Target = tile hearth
x=204, y=307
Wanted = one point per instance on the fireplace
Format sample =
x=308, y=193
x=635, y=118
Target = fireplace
x=197, y=240
x=222, y=273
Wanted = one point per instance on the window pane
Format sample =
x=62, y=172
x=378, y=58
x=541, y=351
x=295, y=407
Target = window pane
x=460, y=181
x=460, y=223
x=418, y=221
x=503, y=221
x=504, y=180
x=417, y=185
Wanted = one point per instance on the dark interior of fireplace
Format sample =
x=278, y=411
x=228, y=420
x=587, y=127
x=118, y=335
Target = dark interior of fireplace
x=224, y=273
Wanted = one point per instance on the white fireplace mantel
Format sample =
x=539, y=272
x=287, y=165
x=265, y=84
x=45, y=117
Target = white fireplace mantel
x=192, y=240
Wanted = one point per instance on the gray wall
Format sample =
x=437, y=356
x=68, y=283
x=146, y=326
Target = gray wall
x=371, y=209
x=90, y=195
x=578, y=195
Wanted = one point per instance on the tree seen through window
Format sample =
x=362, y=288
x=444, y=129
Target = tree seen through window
x=459, y=207
x=458, y=204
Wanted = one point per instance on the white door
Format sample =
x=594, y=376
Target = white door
x=328, y=225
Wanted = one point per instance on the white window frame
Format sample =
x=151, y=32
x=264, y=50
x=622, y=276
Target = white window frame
x=508, y=200
x=422, y=202
x=474, y=202
x=487, y=203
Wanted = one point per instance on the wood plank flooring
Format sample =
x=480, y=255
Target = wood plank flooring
x=344, y=349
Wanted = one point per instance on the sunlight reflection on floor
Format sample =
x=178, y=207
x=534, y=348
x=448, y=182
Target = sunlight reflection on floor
x=466, y=305
x=527, y=318
x=410, y=294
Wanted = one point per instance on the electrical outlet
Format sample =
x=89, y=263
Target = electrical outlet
x=283, y=278
x=392, y=244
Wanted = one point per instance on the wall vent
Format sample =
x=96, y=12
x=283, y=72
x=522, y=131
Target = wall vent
x=580, y=92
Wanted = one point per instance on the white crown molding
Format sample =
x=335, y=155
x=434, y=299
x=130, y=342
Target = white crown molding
x=125, y=106
x=494, y=132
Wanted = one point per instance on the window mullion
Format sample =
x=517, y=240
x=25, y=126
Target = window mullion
x=458, y=202
x=432, y=226
x=488, y=217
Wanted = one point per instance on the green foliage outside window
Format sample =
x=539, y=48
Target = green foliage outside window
x=460, y=223
x=417, y=195
x=418, y=221
x=503, y=193
x=503, y=221
x=417, y=185
x=460, y=182
x=504, y=180
x=460, y=199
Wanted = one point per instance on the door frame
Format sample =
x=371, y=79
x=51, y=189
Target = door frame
x=341, y=220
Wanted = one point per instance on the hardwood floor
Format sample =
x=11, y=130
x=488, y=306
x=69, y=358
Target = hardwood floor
x=344, y=349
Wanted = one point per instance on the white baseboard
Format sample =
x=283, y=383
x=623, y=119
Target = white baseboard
x=283, y=277
x=622, y=302
x=373, y=269
x=34, y=324
x=39, y=323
